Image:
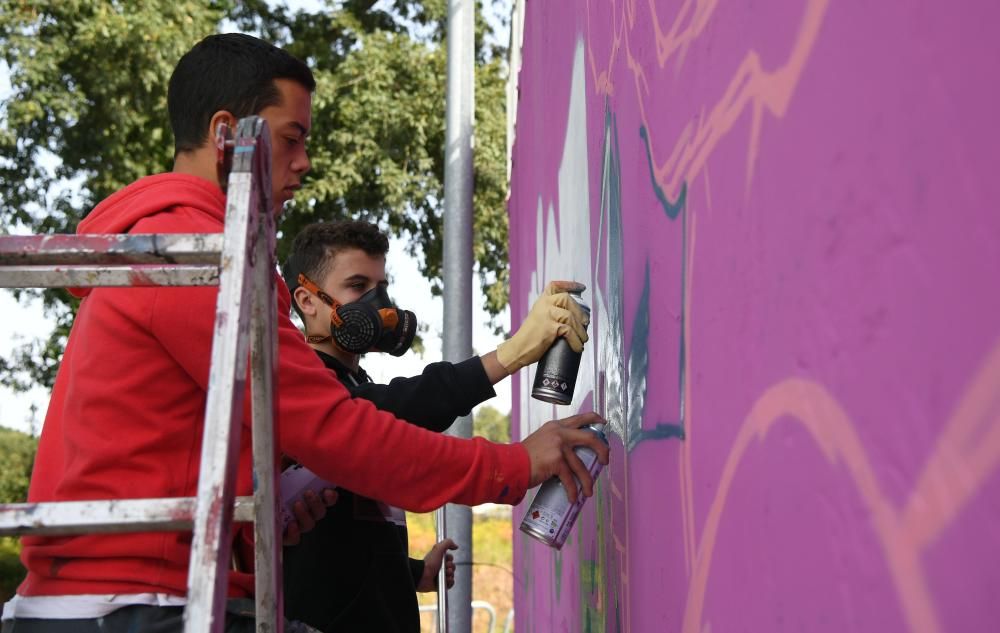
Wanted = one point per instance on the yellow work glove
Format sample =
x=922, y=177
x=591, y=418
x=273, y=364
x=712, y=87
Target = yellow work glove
x=554, y=314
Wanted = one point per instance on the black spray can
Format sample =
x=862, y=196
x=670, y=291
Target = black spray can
x=555, y=376
x=551, y=516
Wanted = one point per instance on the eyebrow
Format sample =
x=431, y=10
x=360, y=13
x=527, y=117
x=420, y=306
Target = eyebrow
x=301, y=128
x=365, y=278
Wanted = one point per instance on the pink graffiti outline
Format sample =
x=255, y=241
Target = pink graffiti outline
x=751, y=86
x=965, y=455
x=969, y=448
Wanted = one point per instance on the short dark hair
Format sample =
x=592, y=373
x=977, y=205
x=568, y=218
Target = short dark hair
x=233, y=72
x=317, y=244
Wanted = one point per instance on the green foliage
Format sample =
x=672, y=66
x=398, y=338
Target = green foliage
x=11, y=570
x=88, y=115
x=89, y=80
x=17, y=455
x=377, y=142
x=491, y=424
x=38, y=361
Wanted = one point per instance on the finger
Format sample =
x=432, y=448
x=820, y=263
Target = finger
x=572, y=337
x=579, y=471
x=580, y=315
x=451, y=545
x=579, y=328
x=292, y=534
x=574, y=437
x=305, y=520
x=555, y=287
x=315, y=505
x=565, y=475
x=573, y=309
x=330, y=496
x=558, y=313
x=582, y=419
x=568, y=323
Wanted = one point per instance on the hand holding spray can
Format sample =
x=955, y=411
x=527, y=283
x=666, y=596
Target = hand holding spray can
x=551, y=516
x=555, y=376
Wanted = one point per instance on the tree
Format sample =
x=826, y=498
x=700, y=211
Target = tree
x=491, y=424
x=17, y=456
x=88, y=115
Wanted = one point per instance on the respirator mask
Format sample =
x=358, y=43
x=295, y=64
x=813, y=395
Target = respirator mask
x=370, y=324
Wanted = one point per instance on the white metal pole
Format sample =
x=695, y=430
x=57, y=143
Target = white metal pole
x=457, y=274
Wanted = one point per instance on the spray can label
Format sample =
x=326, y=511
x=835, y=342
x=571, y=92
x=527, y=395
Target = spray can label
x=551, y=516
x=555, y=376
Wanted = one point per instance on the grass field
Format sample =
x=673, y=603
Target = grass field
x=492, y=578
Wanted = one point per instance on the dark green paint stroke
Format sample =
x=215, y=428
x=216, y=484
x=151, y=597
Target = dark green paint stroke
x=595, y=568
x=673, y=209
x=637, y=369
x=558, y=560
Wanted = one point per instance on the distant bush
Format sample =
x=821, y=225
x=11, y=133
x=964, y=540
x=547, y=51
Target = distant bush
x=491, y=424
x=17, y=456
x=11, y=570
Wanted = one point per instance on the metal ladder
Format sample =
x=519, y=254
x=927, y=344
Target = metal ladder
x=241, y=261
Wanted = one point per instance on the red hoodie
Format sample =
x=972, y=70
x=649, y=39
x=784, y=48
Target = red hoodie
x=125, y=418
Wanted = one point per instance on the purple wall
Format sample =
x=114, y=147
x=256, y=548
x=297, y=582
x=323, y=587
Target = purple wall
x=787, y=216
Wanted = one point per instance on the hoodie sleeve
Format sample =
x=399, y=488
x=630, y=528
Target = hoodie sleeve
x=435, y=398
x=348, y=441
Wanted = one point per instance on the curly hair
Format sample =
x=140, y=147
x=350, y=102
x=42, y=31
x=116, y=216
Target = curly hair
x=317, y=244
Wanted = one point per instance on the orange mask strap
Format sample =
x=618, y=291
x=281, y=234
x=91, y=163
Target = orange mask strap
x=309, y=285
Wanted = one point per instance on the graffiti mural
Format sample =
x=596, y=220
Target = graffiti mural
x=786, y=219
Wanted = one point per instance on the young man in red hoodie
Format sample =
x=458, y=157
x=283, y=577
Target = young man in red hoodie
x=125, y=417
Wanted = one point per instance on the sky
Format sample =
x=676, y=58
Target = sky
x=23, y=322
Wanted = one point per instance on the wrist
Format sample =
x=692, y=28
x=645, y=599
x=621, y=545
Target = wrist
x=506, y=355
x=495, y=370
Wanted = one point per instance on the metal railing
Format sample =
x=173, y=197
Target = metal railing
x=481, y=605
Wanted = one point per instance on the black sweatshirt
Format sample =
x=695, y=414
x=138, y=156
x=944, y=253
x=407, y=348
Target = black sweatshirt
x=352, y=572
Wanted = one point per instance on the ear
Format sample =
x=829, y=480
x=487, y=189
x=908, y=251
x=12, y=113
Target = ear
x=222, y=116
x=305, y=300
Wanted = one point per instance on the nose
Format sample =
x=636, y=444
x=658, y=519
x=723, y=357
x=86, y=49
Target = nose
x=301, y=164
